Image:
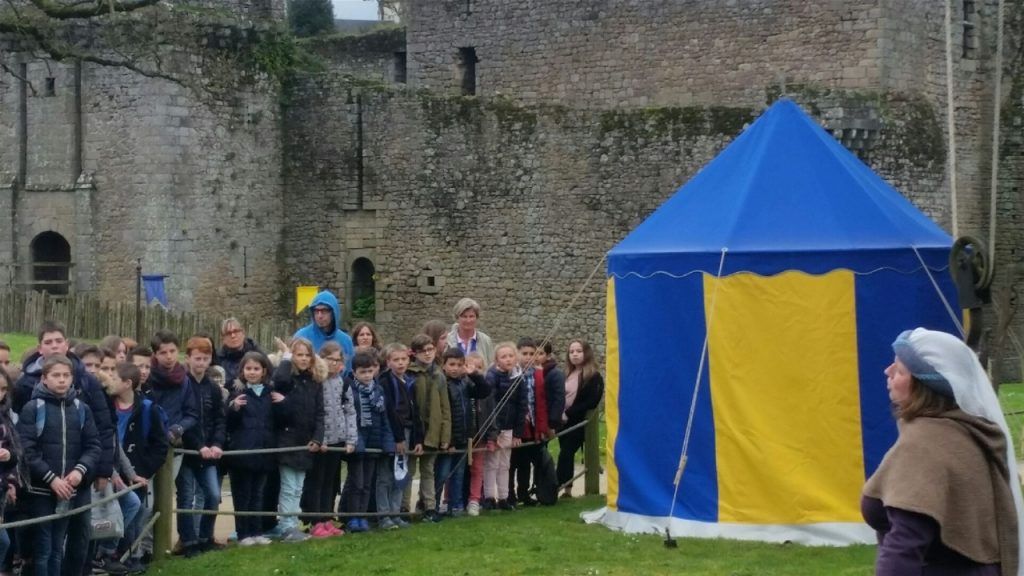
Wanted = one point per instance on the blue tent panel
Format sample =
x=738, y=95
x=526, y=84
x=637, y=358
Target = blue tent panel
x=660, y=354
x=888, y=303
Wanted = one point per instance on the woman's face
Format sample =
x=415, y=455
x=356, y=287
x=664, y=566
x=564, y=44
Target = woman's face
x=122, y=353
x=364, y=338
x=467, y=321
x=899, y=382
x=576, y=353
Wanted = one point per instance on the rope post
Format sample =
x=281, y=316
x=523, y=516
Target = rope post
x=163, y=493
x=592, y=453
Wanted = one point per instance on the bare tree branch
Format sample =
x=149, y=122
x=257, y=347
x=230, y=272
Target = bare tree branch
x=62, y=11
x=11, y=71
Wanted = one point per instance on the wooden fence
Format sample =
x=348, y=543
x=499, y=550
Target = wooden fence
x=91, y=319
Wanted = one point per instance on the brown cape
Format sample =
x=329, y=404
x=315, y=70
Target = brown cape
x=953, y=469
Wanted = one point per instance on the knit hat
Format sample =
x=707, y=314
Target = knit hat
x=919, y=364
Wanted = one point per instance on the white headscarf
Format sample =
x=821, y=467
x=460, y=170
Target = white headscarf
x=948, y=356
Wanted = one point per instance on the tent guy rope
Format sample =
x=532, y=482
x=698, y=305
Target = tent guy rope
x=693, y=401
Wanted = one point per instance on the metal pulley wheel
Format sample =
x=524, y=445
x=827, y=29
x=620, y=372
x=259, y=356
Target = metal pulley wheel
x=980, y=260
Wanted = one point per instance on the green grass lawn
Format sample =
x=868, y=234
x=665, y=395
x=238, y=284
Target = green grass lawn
x=18, y=343
x=529, y=542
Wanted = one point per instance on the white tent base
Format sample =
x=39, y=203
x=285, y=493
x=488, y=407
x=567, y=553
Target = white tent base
x=819, y=534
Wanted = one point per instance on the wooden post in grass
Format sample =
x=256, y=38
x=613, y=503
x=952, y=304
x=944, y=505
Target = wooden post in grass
x=592, y=453
x=163, y=493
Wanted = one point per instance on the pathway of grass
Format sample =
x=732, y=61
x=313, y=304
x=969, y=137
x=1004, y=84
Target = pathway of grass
x=531, y=542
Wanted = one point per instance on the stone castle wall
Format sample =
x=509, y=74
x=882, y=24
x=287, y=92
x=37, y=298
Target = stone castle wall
x=512, y=205
x=663, y=52
x=127, y=167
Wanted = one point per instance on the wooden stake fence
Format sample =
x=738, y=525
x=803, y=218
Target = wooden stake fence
x=89, y=318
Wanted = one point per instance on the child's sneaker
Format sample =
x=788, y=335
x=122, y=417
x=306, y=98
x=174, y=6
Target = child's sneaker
x=474, y=508
x=489, y=504
x=295, y=535
x=320, y=531
x=262, y=540
x=457, y=512
x=274, y=533
x=333, y=530
x=387, y=524
x=400, y=522
x=248, y=541
x=506, y=504
x=364, y=525
x=431, y=516
x=354, y=526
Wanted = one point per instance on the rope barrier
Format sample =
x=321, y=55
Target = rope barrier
x=142, y=536
x=72, y=512
x=372, y=450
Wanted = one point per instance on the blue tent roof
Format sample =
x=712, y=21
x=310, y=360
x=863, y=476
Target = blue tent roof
x=785, y=195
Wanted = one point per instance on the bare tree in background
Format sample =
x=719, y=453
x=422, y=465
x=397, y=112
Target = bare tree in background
x=392, y=10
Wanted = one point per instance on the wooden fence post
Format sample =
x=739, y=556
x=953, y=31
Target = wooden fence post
x=592, y=453
x=163, y=493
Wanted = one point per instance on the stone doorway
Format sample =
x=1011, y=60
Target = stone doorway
x=51, y=263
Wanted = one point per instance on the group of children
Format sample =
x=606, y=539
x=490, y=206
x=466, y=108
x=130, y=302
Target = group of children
x=386, y=413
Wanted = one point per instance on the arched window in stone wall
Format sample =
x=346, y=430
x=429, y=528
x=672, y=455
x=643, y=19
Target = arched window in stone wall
x=364, y=289
x=51, y=263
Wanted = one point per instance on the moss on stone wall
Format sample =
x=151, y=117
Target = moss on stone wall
x=676, y=123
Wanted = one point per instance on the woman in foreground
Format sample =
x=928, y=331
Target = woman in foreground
x=946, y=498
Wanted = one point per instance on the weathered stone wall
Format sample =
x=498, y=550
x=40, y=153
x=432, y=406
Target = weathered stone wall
x=182, y=174
x=645, y=53
x=190, y=186
x=513, y=205
x=371, y=56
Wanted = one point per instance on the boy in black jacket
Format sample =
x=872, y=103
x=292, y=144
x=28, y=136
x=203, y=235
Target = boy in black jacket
x=463, y=388
x=198, y=482
x=52, y=338
x=57, y=460
x=143, y=439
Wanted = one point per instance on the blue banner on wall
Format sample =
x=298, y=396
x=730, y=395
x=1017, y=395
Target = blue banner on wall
x=154, y=286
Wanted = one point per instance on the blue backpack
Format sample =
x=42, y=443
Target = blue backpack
x=147, y=410
x=41, y=415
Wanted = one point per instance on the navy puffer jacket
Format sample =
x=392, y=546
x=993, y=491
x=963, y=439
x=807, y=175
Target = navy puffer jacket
x=251, y=427
x=67, y=442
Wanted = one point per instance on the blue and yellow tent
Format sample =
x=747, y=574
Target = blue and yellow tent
x=762, y=298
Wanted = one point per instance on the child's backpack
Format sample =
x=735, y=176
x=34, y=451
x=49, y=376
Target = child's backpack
x=147, y=417
x=546, y=479
x=41, y=415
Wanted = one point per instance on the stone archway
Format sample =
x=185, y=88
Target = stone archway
x=51, y=263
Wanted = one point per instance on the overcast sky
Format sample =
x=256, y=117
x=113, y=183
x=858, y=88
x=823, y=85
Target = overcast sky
x=355, y=9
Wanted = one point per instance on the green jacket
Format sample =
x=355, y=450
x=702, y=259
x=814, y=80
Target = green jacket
x=435, y=407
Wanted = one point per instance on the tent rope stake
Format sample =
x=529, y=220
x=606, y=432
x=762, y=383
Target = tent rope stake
x=693, y=401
